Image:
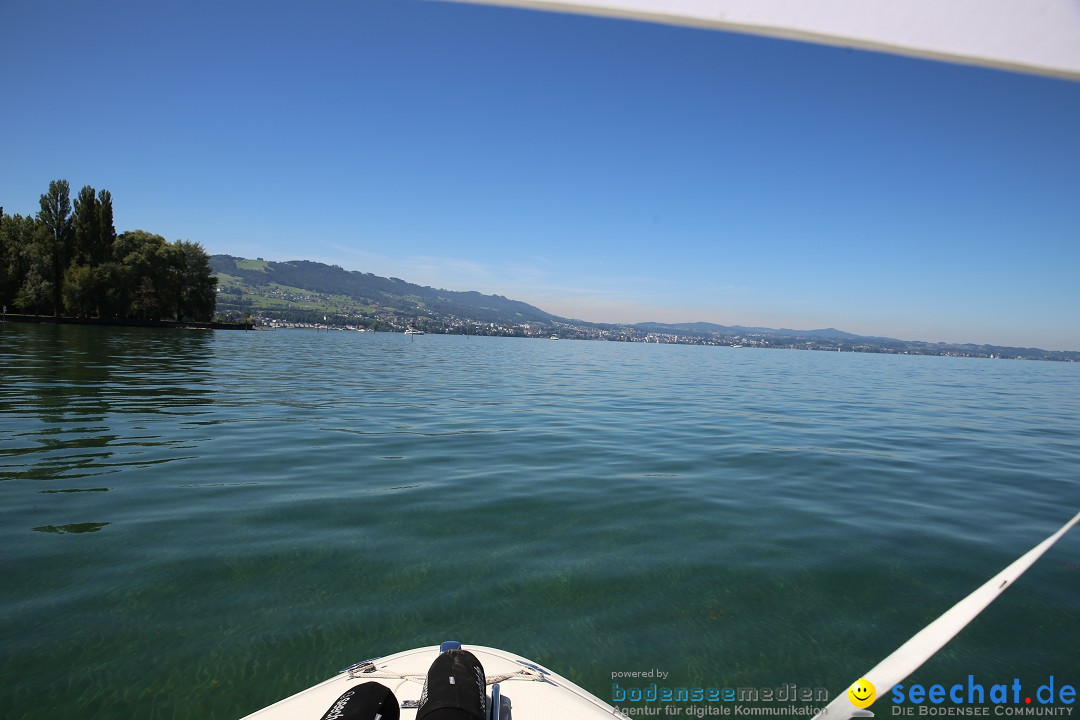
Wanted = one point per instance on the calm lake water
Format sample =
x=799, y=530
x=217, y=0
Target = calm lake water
x=196, y=524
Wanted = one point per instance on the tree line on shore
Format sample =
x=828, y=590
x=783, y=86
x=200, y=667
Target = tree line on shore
x=69, y=260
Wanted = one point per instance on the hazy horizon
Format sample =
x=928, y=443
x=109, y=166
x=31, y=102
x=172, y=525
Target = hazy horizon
x=606, y=170
x=642, y=320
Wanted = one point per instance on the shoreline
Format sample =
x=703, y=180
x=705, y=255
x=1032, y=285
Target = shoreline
x=183, y=325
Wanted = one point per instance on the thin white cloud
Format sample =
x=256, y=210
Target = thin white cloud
x=538, y=281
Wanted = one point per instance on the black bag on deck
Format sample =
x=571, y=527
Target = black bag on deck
x=456, y=688
x=369, y=701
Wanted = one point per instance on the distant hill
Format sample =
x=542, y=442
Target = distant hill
x=367, y=291
x=738, y=330
x=305, y=291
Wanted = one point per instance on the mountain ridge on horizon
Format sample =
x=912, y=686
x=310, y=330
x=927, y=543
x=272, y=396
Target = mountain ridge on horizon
x=397, y=295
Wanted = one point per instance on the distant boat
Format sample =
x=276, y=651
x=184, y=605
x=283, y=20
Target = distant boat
x=413, y=331
x=553, y=337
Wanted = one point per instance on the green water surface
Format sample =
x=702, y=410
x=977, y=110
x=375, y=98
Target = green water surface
x=195, y=524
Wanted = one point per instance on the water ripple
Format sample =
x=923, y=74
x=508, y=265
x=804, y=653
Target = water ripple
x=281, y=504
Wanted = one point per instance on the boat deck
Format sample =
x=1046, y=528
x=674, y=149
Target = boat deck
x=534, y=692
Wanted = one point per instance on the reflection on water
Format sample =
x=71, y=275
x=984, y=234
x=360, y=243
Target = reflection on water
x=65, y=389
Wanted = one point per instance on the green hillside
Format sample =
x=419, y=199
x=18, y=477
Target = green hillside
x=305, y=291
x=309, y=292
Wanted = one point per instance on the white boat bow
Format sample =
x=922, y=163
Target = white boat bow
x=532, y=691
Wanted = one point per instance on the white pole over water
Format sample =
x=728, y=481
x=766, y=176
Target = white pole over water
x=925, y=643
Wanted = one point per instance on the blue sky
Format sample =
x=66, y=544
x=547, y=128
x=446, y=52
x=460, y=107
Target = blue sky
x=601, y=169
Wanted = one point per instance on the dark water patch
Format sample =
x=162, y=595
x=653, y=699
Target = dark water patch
x=72, y=528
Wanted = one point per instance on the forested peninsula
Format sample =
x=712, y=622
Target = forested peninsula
x=67, y=260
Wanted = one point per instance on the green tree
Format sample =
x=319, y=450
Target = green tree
x=55, y=216
x=107, y=230
x=93, y=235
x=144, y=276
x=6, y=281
x=147, y=306
x=80, y=290
x=17, y=235
x=86, y=228
x=74, y=260
x=36, y=290
x=194, y=282
x=114, y=298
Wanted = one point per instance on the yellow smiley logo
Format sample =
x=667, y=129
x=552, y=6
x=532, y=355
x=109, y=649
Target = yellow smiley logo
x=861, y=693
